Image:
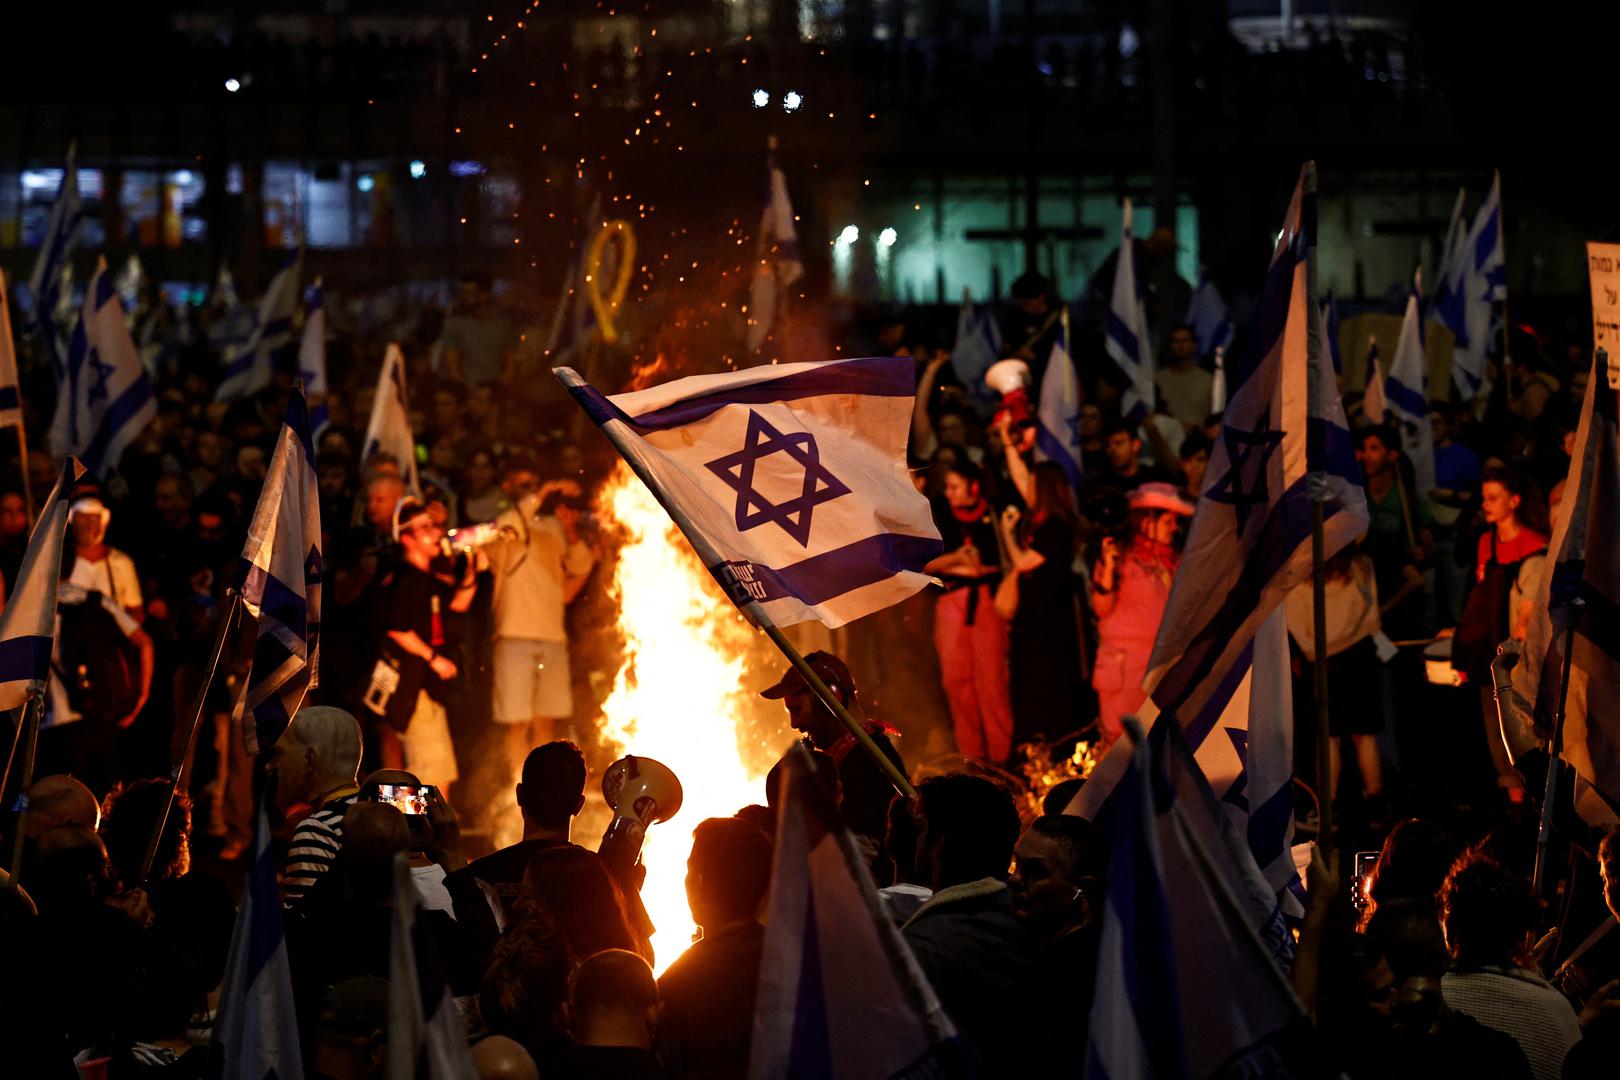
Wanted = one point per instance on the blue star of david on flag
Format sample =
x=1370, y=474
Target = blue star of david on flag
x=1243, y=486
x=103, y=372
x=753, y=509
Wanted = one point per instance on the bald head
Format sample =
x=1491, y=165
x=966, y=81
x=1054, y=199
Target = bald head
x=318, y=753
x=613, y=1000
x=500, y=1058
x=60, y=800
x=373, y=833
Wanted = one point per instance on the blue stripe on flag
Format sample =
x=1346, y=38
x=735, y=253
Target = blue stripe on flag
x=832, y=573
x=8, y=397
x=809, y=1052
x=264, y=933
x=134, y=398
x=1121, y=334
x=1268, y=825
x=24, y=658
x=1410, y=401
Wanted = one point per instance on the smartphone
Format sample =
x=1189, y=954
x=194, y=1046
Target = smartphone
x=1366, y=862
x=409, y=799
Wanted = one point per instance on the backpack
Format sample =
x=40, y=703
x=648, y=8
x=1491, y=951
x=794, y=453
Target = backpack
x=97, y=663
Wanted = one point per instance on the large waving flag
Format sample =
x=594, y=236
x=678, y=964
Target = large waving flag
x=978, y=344
x=1188, y=979
x=1057, y=434
x=389, y=429
x=840, y=993
x=1126, y=335
x=249, y=366
x=1406, y=396
x=257, y=1028
x=53, y=265
x=105, y=400
x=10, y=384
x=427, y=1039
x=28, y=620
x=790, y=480
x=1209, y=318
x=1576, y=616
x=281, y=585
x=777, y=266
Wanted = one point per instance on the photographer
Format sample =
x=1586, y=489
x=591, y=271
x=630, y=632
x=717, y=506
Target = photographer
x=540, y=564
x=414, y=603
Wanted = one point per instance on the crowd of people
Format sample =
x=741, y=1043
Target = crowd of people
x=446, y=665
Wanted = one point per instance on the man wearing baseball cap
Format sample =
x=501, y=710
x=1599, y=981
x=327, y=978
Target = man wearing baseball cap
x=867, y=790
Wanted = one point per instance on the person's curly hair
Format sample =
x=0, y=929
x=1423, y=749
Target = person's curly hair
x=526, y=982
x=128, y=817
x=1489, y=914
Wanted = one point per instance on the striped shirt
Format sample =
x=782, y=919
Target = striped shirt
x=315, y=845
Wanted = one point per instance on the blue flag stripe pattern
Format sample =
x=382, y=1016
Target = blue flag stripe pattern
x=55, y=255
x=280, y=582
x=1125, y=336
x=1057, y=417
x=28, y=620
x=106, y=399
x=250, y=368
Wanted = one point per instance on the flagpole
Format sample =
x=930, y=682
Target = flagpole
x=201, y=700
x=32, y=709
x=613, y=429
x=1319, y=494
x=22, y=436
x=1550, y=789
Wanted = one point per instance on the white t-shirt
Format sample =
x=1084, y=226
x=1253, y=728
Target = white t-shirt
x=530, y=572
x=113, y=576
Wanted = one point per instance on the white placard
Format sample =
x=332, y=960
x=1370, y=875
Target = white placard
x=1603, y=265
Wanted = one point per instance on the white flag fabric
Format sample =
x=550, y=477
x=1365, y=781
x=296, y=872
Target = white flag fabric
x=28, y=620
x=312, y=348
x=10, y=385
x=1577, y=607
x=840, y=993
x=257, y=1026
x=1188, y=983
x=1057, y=432
x=1209, y=318
x=1406, y=397
x=1373, y=406
x=280, y=585
x=1126, y=334
x=1448, y=305
x=232, y=321
x=1484, y=281
x=389, y=429
x=249, y=366
x=978, y=344
x=778, y=265
x=53, y=265
x=106, y=400
x=790, y=480
x=427, y=1039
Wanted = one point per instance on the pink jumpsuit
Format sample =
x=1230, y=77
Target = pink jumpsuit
x=973, y=669
x=1125, y=635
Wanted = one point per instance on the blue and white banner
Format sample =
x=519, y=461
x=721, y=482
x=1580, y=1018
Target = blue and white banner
x=1484, y=281
x=10, y=385
x=1057, y=434
x=790, y=480
x=105, y=400
x=249, y=367
x=427, y=1039
x=1406, y=396
x=280, y=585
x=1126, y=335
x=977, y=346
x=1209, y=318
x=389, y=429
x=256, y=1032
x=54, y=264
x=1188, y=975
x=28, y=620
x=777, y=263
x=840, y=993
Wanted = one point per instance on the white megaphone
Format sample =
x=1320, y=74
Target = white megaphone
x=640, y=792
x=1010, y=379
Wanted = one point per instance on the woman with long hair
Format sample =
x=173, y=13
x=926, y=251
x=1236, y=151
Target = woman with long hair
x=1044, y=643
x=1129, y=589
x=1511, y=560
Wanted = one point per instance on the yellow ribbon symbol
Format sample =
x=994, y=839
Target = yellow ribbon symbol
x=607, y=307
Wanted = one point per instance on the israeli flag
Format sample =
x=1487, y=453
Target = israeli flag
x=1490, y=260
x=312, y=357
x=256, y=1033
x=573, y=318
x=1057, y=419
x=840, y=993
x=10, y=385
x=1126, y=335
x=28, y=620
x=978, y=344
x=1448, y=305
x=790, y=480
x=389, y=429
x=1189, y=981
x=281, y=573
x=1209, y=319
x=105, y=400
x=1220, y=662
x=777, y=264
x=427, y=1039
x=54, y=263
x=250, y=365
x=232, y=322
x=1406, y=396
x=1484, y=281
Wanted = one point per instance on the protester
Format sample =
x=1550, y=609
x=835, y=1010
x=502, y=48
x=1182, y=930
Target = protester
x=1182, y=384
x=613, y=1010
x=315, y=766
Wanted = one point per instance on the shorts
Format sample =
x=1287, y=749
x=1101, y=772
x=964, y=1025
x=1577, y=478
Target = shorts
x=532, y=680
x=428, y=750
